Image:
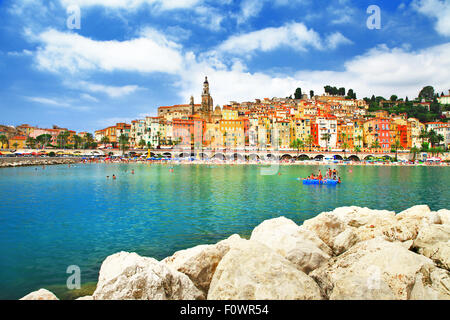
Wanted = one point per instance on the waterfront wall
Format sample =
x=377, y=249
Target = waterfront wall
x=23, y=162
x=348, y=253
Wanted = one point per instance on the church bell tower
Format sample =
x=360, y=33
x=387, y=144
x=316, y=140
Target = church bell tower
x=207, y=101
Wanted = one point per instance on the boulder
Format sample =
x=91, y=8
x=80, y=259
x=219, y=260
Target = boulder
x=128, y=276
x=299, y=245
x=41, y=294
x=200, y=263
x=326, y=226
x=433, y=241
x=85, y=298
x=252, y=271
x=345, y=240
x=431, y=284
x=444, y=216
x=373, y=269
x=360, y=224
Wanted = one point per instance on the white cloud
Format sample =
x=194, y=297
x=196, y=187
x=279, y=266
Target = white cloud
x=70, y=52
x=293, y=35
x=52, y=102
x=336, y=39
x=48, y=101
x=437, y=9
x=133, y=4
x=88, y=97
x=111, y=91
x=381, y=71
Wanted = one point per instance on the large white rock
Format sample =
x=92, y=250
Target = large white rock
x=326, y=226
x=42, y=294
x=373, y=269
x=444, y=215
x=433, y=241
x=200, y=263
x=432, y=284
x=128, y=276
x=252, y=271
x=299, y=245
x=358, y=223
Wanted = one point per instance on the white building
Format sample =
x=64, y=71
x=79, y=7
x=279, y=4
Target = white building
x=327, y=125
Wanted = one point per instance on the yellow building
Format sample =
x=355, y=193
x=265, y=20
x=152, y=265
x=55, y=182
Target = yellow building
x=17, y=142
x=229, y=113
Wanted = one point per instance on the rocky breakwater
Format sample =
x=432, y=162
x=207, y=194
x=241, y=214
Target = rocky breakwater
x=26, y=162
x=349, y=253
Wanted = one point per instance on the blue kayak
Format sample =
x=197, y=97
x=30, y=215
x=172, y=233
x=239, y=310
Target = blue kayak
x=325, y=181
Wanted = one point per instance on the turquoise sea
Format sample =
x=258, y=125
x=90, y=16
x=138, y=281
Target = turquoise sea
x=59, y=216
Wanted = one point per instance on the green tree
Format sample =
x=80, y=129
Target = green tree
x=376, y=145
x=77, y=141
x=15, y=145
x=104, y=140
x=414, y=151
x=88, y=140
x=63, y=138
x=4, y=141
x=123, y=143
x=311, y=94
x=310, y=141
x=326, y=137
x=44, y=139
x=142, y=143
x=397, y=145
x=394, y=98
x=427, y=93
x=298, y=93
x=31, y=142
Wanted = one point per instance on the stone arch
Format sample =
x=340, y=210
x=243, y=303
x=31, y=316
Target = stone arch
x=237, y=156
x=369, y=157
x=303, y=157
x=319, y=157
x=167, y=155
x=286, y=157
x=354, y=158
x=253, y=157
x=338, y=157
x=218, y=156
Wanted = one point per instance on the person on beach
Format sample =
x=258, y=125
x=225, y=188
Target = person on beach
x=132, y=171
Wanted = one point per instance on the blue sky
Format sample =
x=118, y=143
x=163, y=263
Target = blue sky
x=131, y=56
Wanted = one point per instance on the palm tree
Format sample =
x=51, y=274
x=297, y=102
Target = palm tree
x=310, y=141
x=142, y=143
x=44, y=139
x=15, y=145
x=4, y=141
x=345, y=146
x=104, y=140
x=423, y=135
x=123, y=142
x=62, y=138
x=31, y=142
x=397, y=145
x=89, y=139
x=414, y=151
x=359, y=138
x=376, y=145
x=326, y=137
x=77, y=140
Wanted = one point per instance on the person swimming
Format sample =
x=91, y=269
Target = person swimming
x=114, y=177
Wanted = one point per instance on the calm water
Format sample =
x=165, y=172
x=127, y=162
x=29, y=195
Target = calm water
x=60, y=216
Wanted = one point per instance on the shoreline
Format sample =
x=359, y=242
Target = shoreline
x=335, y=255
x=36, y=162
